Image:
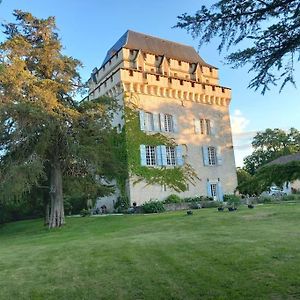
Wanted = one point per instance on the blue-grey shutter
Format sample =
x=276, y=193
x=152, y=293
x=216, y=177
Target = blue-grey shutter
x=175, y=125
x=208, y=189
x=220, y=191
x=142, y=120
x=158, y=156
x=162, y=122
x=143, y=155
x=212, y=127
x=156, y=126
x=205, y=155
x=163, y=155
x=219, y=156
x=179, y=157
x=197, y=125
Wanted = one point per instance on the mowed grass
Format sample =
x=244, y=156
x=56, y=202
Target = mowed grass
x=248, y=254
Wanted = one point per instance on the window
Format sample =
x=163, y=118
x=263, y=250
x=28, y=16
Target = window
x=208, y=127
x=149, y=124
x=205, y=126
x=171, y=156
x=202, y=130
x=212, y=156
x=157, y=77
x=130, y=73
x=168, y=123
x=213, y=190
x=150, y=156
x=179, y=63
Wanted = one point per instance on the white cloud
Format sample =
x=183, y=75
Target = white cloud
x=241, y=137
x=238, y=122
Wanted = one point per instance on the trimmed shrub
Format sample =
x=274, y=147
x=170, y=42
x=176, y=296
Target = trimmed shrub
x=232, y=200
x=153, y=207
x=172, y=199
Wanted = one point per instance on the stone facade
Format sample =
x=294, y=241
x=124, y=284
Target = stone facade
x=172, y=85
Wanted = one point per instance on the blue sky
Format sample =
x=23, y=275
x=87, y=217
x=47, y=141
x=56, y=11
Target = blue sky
x=89, y=28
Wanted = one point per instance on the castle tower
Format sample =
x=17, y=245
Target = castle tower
x=183, y=119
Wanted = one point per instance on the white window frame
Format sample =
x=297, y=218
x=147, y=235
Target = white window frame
x=212, y=155
x=214, y=190
x=171, y=156
x=149, y=121
x=168, y=123
x=151, y=155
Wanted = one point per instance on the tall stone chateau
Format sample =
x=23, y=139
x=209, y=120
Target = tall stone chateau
x=175, y=96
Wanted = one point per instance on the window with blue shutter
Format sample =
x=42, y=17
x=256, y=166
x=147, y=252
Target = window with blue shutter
x=156, y=124
x=163, y=155
x=208, y=187
x=197, y=125
x=220, y=191
x=205, y=155
x=219, y=156
x=212, y=127
x=143, y=155
x=162, y=122
x=175, y=125
x=142, y=120
x=179, y=155
x=158, y=156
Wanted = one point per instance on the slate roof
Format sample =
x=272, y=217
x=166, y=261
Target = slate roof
x=285, y=159
x=157, y=46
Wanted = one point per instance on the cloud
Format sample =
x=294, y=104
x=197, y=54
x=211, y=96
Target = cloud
x=238, y=122
x=242, y=137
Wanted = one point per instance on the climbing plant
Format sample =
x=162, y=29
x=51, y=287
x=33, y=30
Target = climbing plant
x=129, y=141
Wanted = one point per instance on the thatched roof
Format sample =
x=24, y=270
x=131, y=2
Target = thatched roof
x=285, y=159
x=157, y=46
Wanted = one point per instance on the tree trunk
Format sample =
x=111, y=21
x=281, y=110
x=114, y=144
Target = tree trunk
x=47, y=214
x=57, y=216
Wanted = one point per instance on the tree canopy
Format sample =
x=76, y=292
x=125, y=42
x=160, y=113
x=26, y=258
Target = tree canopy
x=44, y=133
x=270, y=27
x=270, y=144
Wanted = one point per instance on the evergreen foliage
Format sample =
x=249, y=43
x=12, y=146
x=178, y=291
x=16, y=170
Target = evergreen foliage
x=44, y=133
x=271, y=28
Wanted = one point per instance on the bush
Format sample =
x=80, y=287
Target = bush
x=264, y=199
x=197, y=199
x=232, y=200
x=153, y=207
x=172, y=199
x=85, y=212
x=289, y=198
x=122, y=204
x=209, y=203
x=195, y=205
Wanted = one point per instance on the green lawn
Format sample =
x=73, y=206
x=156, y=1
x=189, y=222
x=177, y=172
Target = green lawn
x=248, y=254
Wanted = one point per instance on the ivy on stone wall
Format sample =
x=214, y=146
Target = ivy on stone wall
x=129, y=141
